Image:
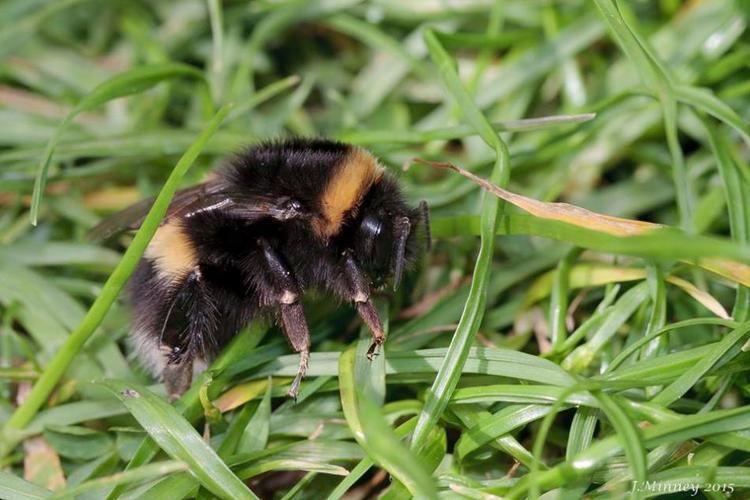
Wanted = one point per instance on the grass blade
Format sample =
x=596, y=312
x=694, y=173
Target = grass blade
x=737, y=206
x=687, y=427
x=179, y=439
x=373, y=136
x=509, y=418
x=471, y=318
x=145, y=473
x=691, y=376
x=656, y=76
x=707, y=102
x=628, y=433
x=12, y=486
x=111, y=289
x=128, y=83
x=374, y=435
x=717, y=255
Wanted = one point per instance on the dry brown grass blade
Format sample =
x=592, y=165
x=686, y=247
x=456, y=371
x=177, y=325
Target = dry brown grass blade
x=41, y=463
x=736, y=272
x=706, y=299
x=563, y=212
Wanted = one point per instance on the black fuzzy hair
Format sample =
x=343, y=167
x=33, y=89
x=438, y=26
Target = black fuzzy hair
x=244, y=261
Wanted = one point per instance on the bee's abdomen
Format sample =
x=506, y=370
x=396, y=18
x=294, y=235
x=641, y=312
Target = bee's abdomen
x=172, y=252
x=185, y=314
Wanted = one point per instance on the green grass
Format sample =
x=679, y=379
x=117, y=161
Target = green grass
x=528, y=354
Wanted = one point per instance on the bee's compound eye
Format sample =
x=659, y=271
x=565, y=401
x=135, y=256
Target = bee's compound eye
x=371, y=226
x=370, y=230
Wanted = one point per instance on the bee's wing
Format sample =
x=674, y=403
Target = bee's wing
x=183, y=203
x=209, y=196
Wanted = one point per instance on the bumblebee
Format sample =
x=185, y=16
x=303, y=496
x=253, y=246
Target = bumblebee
x=274, y=221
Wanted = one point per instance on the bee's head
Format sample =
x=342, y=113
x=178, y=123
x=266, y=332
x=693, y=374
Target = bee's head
x=336, y=194
x=385, y=232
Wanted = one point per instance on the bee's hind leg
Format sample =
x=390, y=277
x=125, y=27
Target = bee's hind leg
x=178, y=376
x=188, y=334
x=286, y=294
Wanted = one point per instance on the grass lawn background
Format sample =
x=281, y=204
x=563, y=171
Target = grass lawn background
x=530, y=353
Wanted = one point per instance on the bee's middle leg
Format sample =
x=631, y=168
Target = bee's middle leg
x=286, y=294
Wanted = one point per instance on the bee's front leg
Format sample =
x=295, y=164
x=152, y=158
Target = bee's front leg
x=285, y=292
x=360, y=294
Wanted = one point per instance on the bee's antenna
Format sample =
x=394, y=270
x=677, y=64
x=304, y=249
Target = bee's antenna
x=401, y=229
x=424, y=215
